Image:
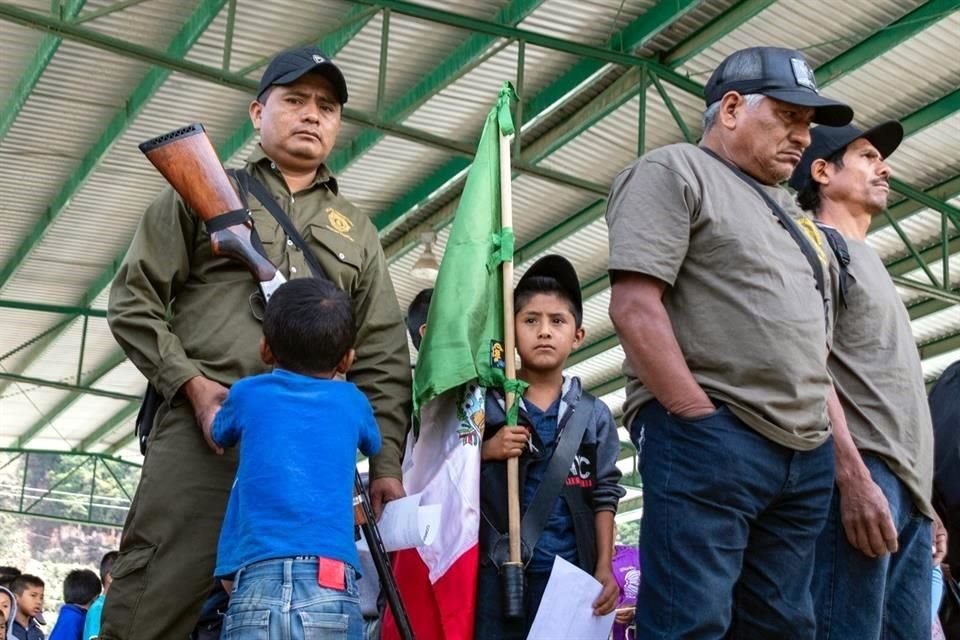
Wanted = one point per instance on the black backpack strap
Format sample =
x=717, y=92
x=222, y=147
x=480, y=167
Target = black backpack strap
x=545, y=499
x=839, y=246
x=250, y=184
x=785, y=220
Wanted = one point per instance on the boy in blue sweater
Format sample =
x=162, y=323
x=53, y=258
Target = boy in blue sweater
x=287, y=548
x=80, y=588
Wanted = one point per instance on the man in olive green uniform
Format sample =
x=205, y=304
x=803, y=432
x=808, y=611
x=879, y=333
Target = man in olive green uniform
x=873, y=559
x=189, y=321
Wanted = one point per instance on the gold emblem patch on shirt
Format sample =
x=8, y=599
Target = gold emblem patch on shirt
x=339, y=223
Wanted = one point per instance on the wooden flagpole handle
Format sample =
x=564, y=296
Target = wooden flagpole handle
x=513, y=568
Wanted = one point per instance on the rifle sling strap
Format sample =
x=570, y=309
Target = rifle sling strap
x=229, y=219
x=249, y=184
x=785, y=221
x=545, y=498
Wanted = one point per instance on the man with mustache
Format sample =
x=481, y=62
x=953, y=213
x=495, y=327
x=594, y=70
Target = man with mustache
x=210, y=339
x=873, y=558
x=719, y=300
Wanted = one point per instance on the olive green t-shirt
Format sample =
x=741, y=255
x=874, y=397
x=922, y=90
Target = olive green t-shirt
x=876, y=370
x=742, y=297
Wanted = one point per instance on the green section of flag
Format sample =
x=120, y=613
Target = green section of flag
x=464, y=338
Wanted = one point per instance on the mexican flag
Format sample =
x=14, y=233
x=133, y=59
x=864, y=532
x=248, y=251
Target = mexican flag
x=461, y=355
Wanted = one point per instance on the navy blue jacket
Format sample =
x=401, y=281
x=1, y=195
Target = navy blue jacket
x=592, y=483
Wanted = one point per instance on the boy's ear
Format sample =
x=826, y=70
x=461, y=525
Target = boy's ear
x=579, y=336
x=266, y=354
x=346, y=361
x=422, y=330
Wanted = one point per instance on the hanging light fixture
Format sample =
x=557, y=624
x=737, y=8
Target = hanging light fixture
x=427, y=266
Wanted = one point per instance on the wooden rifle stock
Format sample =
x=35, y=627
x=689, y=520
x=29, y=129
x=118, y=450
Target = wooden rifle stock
x=188, y=161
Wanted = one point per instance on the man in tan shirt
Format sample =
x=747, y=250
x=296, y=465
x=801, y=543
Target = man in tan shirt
x=719, y=302
x=873, y=560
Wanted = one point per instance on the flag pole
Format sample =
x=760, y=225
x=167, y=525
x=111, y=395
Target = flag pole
x=513, y=568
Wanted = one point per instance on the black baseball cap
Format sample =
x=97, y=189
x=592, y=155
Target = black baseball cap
x=776, y=73
x=826, y=141
x=560, y=269
x=289, y=66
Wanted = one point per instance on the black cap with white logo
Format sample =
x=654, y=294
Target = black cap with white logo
x=290, y=66
x=778, y=73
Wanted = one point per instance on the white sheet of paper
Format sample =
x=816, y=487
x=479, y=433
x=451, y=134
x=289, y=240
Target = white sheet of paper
x=566, y=610
x=406, y=523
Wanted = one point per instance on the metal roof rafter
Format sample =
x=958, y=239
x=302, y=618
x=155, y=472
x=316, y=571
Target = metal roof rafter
x=455, y=65
x=68, y=401
x=634, y=35
x=31, y=75
x=189, y=33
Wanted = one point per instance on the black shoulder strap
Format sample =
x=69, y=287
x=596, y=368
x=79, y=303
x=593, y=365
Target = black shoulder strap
x=839, y=246
x=785, y=220
x=249, y=184
x=541, y=506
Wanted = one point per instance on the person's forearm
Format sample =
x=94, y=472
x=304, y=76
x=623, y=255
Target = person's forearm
x=605, y=527
x=654, y=354
x=849, y=463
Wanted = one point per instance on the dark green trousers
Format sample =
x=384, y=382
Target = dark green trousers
x=169, y=543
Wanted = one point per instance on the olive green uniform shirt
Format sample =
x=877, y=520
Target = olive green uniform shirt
x=742, y=298
x=876, y=370
x=178, y=311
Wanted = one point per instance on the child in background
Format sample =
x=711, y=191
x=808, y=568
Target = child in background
x=548, y=316
x=80, y=588
x=8, y=609
x=91, y=628
x=28, y=590
x=287, y=542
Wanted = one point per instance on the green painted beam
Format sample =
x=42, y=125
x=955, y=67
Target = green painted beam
x=68, y=401
x=121, y=444
x=952, y=213
x=735, y=16
x=634, y=35
x=534, y=38
x=189, y=33
x=108, y=426
x=929, y=254
x=931, y=114
x=884, y=40
x=23, y=305
x=944, y=191
x=14, y=378
x=31, y=75
x=331, y=44
x=40, y=346
x=940, y=346
x=455, y=65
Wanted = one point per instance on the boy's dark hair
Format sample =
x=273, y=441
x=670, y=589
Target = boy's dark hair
x=309, y=325
x=529, y=287
x=7, y=575
x=417, y=315
x=24, y=580
x=81, y=586
x=809, y=197
x=106, y=564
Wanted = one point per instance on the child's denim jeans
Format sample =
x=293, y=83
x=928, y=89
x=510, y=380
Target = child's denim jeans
x=281, y=600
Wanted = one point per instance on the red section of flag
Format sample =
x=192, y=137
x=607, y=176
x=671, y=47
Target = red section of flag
x=440, y=611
